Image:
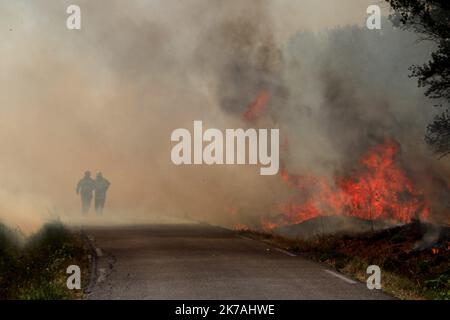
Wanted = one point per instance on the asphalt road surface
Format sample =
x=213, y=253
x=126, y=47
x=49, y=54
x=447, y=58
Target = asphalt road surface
x=196, y=261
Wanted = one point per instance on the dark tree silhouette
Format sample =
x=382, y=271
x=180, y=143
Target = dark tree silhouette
x=439, y=134
x=431, y=19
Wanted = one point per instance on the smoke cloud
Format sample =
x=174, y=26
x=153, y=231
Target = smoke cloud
x=107, y=98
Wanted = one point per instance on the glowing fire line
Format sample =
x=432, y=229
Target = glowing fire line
x=379, y=189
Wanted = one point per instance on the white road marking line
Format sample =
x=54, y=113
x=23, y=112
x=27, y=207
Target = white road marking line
x=286, y=252
x=278, y=249
x=99, y=252
x=340, y=276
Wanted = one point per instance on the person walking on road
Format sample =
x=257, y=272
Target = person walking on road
x=85, y=188
x=101, y=187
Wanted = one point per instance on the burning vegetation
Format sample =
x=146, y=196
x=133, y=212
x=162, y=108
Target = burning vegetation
x=256, y=108
x=377, y=189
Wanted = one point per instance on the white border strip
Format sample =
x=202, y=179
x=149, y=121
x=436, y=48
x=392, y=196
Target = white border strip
x=286, y=252
x=244, y=237
x=337, y=275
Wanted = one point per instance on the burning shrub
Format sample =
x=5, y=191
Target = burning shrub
x=377, y=189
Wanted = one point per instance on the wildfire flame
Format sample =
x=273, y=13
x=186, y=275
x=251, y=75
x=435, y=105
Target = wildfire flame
x=256, y=108
x=378, y=189
x=267, y=224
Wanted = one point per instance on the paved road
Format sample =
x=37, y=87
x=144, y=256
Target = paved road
x=193, y=261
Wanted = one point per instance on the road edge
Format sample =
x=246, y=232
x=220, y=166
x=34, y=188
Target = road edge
x=93, y=263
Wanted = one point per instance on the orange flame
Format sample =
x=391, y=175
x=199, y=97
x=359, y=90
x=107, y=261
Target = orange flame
x=379, y=189
x=256, y=108
x=268, y=225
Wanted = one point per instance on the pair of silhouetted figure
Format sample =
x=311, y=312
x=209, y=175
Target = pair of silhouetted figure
x=87, y=186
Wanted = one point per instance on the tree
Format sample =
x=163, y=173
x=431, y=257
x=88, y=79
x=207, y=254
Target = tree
x=431, y=19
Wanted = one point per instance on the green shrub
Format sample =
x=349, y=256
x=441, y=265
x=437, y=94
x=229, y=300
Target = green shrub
x=36, y=269
x=9, y=256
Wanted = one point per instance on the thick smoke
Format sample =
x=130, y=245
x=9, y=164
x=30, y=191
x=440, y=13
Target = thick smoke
x=242, y=55
x=107, y=98
x=349, y=91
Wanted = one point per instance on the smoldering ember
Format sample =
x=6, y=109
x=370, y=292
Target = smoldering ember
x=213, y=153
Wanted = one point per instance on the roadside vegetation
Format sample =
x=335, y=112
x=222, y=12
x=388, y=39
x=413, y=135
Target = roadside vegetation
x=35, y=267
x=408, y=270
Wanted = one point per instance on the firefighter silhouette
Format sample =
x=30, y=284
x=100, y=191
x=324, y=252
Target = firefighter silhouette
x=101, y=187
x=85, y=188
